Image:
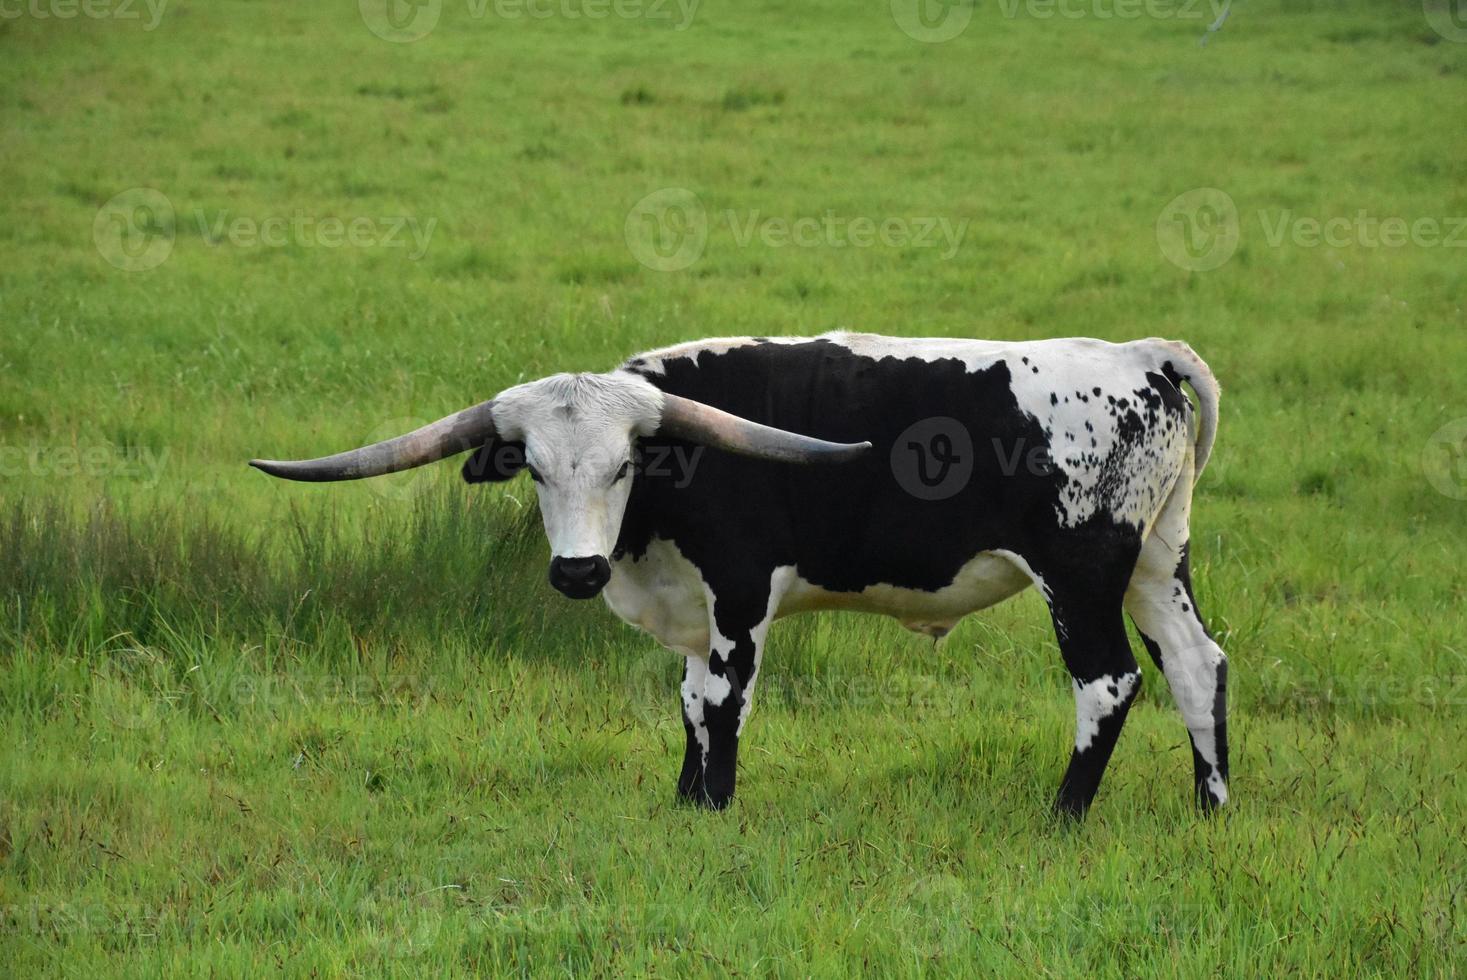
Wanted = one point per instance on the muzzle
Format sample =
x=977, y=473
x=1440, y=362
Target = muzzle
x=579, y=578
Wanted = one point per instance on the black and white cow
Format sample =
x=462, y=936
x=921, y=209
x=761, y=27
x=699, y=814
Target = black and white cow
x=922, y=479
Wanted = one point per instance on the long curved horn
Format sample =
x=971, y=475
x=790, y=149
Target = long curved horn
x=709, y=426
x=460, y=431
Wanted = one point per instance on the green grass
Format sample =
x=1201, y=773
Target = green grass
x=254, y=726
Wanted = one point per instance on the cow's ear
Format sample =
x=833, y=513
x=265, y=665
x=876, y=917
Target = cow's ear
x=494, y=462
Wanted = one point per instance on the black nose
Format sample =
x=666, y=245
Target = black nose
x=579, y=578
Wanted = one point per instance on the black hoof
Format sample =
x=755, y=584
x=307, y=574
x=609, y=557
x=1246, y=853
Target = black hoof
x=690, y=788
x=718, y=802
x=1206, y=802
x=1069, y=810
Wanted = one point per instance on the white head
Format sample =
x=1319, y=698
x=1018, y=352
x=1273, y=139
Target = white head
x=576, y=434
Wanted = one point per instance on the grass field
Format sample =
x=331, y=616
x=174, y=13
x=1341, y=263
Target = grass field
x=255, y=727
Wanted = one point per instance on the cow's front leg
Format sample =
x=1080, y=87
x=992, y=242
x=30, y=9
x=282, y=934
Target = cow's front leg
x=690, y=782
x=736, y=649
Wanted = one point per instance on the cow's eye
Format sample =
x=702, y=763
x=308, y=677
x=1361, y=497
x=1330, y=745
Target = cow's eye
x=534, y=474
x=623, y=471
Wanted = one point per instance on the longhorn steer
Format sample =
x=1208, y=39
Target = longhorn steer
x=1065, y=464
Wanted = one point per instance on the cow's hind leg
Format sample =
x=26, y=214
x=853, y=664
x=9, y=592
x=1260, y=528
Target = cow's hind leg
x=1084, y=581
x=1165, y=612
x=1105, y=678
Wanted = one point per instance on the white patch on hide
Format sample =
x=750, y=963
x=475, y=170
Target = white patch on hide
x=1097, y=701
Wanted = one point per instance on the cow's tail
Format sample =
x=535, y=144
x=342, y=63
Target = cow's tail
x=1183, y=360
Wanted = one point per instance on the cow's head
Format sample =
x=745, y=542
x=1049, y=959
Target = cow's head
x=576, y=434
